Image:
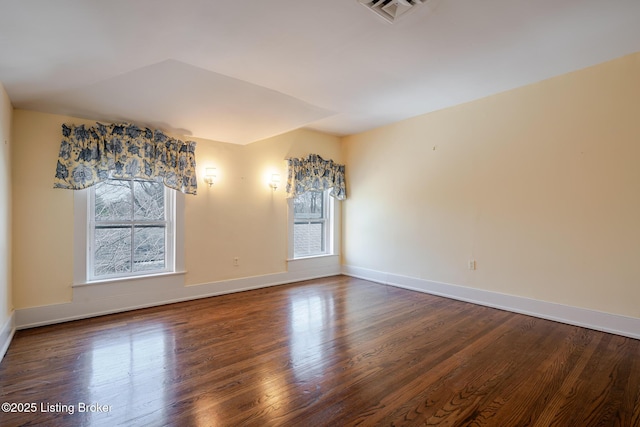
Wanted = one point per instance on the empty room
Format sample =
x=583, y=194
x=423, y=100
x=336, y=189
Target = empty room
x=333, y=213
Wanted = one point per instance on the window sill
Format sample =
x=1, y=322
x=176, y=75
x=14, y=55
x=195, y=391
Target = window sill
x=128, y=279
x=311, y=257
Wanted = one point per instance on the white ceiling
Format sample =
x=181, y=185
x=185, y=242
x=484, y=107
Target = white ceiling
x=240, y=71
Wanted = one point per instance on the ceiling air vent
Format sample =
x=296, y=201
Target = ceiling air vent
x=391, y=10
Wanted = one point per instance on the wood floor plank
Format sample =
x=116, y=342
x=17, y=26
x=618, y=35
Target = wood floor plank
x=517, y=357
x=333, y=351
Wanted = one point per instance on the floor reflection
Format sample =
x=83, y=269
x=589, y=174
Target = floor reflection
x=128, y=372
x=310, y=317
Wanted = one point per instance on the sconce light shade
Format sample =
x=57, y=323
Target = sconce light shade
x=275, y=180
x=209, y=175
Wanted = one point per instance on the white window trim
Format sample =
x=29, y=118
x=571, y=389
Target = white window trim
x=333, y=243
x=81, y=276
x=169, y=226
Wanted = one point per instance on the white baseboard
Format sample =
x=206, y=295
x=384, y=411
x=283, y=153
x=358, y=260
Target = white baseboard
x=6, y=334
x=90, y=301
x=600, y=321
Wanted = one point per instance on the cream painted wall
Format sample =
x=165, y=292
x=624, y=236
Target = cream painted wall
x=42, y=215
x=540, y=185
x=240, y=216
x=6, y=110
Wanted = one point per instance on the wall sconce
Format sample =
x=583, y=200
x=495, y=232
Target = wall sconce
x=209, y=175
x=275, y=180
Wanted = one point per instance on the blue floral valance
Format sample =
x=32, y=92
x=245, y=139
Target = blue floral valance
x=313, y=173
x=90, y=154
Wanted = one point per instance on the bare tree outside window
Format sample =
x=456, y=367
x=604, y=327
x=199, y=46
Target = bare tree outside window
x=129, y=227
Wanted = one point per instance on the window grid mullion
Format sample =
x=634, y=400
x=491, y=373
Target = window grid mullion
x=130, y=223
x=133, y=229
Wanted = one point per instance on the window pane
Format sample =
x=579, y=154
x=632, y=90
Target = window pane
x=149, y=248
x=148, y=199
x=308, y=238
x=113, y=200
x=309, y=205
x=112, y=250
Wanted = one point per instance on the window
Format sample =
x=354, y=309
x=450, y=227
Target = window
x=311, y=224
x=131, y=229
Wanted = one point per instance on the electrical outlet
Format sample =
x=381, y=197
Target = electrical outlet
x=472, y=264
x=236, y=261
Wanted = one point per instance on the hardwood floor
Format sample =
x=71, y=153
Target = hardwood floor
x=330, y=352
